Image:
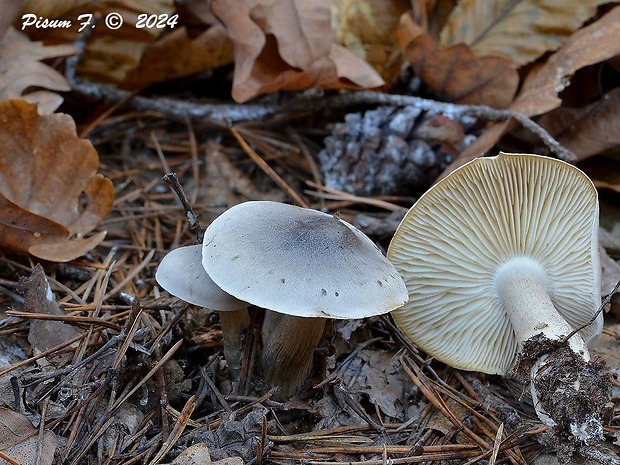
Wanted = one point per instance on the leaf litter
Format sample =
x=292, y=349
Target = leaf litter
x=126, y=382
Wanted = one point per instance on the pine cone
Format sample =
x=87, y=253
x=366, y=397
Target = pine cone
x=389, y=151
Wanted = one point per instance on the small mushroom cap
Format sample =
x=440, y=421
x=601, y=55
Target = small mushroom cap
x=300, y=262
x=181, y=273
x=453, y=240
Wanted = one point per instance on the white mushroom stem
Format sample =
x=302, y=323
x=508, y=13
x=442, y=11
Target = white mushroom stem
x=521, y=286
x=288, y=350
x=234, y=324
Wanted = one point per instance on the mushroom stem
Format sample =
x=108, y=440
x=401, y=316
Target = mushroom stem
x=288, y=349
x=521, y=286
x=561, y=379
x=234, y=324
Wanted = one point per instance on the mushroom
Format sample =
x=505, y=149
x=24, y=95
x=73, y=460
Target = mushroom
x=182, y=275
x=501, y=262
x=304, y=266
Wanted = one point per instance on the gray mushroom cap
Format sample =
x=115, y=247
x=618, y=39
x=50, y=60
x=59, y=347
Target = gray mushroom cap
x=182, y=275
x=300, y=262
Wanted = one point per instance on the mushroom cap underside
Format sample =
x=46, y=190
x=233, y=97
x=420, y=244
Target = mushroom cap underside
x=300, y=262
x=453, y=240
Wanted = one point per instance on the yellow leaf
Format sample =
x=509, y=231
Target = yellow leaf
x=518, y=30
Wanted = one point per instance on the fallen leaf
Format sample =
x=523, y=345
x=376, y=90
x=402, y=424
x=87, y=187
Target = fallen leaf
x=288, y=45
x=594, y=43
x=367, y=27
x=21, y=229
x=50, y=172
x=20, y=441
x=519, y=31
x=383, y=379
x=589, y=130
x=44, y=334
x=21, y=70
x=455, y=74
x=177, y=55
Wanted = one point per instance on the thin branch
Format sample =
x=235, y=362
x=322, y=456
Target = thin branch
x=309, y=101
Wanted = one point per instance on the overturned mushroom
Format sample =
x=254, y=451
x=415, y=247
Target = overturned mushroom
x=306, y=266
x=182, y=275
x=501, y=263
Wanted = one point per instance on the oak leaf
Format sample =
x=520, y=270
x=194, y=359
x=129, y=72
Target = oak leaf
x=519, y=31
x=21, y=70
x=46, y=170
x=288, y=45
x=589, y=130
x=455, y=74
x=592, y=44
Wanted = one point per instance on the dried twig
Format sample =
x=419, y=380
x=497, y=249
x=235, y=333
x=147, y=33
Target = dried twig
x=192, y=218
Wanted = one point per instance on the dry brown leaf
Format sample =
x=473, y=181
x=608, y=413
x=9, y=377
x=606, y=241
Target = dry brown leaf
x=594, y=43
x=367, y=28
x=177, y=55
x=455, y=74
x=110, y=53
x=288, y=45
x=21, y=70
x=44, y=334
x=19, y=440
x=589, y=130
x=519, y=31
x=46, y=169
x=21, y=229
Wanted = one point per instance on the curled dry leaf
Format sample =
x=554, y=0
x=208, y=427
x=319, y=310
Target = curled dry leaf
x=588, y=130
x=21, y=70
x=454, y=73
x=288, y=45
x=48, y=172
x=519, y=31
x=20, y=440
x=594, y=43
x=44, y=334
